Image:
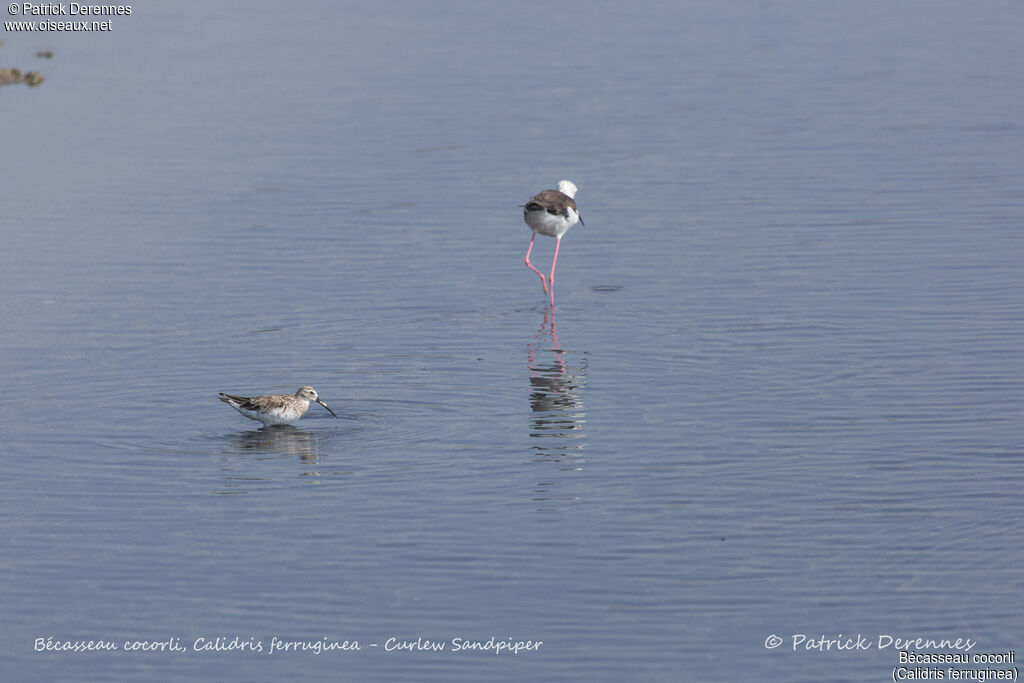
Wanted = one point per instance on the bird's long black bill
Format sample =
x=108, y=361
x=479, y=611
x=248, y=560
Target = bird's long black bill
x=325, y=407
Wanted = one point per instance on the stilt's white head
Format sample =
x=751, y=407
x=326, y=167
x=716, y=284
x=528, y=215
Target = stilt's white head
x=567, y=187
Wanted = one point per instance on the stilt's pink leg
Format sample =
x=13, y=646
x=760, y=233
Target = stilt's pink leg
x=551, y=278
x=543, y=282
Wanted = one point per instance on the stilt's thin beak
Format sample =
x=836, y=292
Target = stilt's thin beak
x=325, y=407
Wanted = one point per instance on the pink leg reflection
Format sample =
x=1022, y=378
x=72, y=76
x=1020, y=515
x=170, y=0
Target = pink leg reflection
x=545, y=334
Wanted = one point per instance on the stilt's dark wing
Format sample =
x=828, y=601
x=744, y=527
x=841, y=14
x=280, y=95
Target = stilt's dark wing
x=552, y=201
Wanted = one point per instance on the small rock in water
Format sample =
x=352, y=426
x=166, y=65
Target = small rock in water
x=10, y=76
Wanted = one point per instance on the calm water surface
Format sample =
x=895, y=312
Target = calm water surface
x=781, y=392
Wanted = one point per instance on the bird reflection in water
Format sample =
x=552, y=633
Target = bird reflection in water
x=280, y=441
x=557, y=412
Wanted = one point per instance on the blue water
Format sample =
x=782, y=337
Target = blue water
x=781, y=391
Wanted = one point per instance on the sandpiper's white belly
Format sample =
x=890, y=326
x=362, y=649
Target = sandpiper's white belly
x=274, y=416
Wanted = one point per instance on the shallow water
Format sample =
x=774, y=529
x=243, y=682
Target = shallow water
x=780, y=393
